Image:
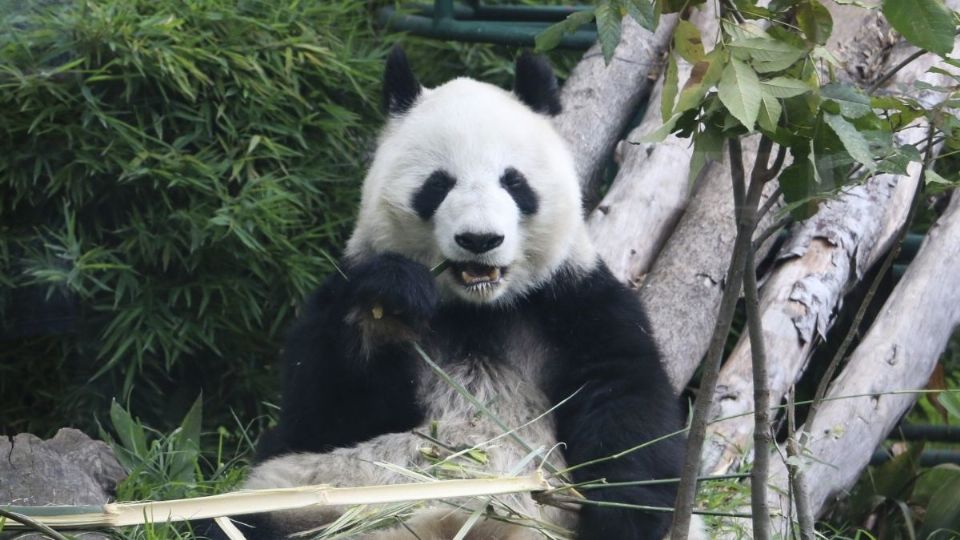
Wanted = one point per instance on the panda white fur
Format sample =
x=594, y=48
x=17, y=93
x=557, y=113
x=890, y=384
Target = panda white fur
x=525, y=317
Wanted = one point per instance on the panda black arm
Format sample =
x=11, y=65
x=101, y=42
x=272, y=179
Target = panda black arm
x=350, y=374
x=623, y=399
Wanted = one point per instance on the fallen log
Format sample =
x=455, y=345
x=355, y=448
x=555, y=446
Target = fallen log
x=897, y=355
x=825, y=258
x=683, y=289
x=650, y=190
x=599, y=100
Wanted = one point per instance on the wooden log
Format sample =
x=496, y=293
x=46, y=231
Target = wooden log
x=825, y=258
x=651, y=190
x=599, y=100
x=683, y=289
x=896, y=355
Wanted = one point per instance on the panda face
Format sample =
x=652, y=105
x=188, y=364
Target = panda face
x=471, y=174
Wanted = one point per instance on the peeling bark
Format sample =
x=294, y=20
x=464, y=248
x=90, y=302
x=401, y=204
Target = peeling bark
x=825, y=258
x=897, y=354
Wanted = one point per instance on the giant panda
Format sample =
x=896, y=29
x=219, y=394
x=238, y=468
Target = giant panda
x=526, y=317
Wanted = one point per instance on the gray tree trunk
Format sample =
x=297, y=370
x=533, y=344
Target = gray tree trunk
x=599, y=100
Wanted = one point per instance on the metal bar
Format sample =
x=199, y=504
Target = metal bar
x=909, y=247
x=515, y=34
x=928, y=458
x=926, y=432
x=443, y=9
x=502, y=13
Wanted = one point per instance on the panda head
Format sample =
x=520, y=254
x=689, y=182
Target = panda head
x=478, y=176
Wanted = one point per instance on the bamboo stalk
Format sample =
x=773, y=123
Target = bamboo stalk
x=266, y=500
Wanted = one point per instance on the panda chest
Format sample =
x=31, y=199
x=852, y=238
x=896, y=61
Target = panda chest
x=487, y=383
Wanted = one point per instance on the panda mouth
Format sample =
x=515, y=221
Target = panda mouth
x=471, y=274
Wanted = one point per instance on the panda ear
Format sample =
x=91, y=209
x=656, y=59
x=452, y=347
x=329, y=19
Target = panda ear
x=400, y=85
x=536, y=85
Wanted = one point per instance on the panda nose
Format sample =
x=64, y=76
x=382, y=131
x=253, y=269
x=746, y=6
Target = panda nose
x=478, y=243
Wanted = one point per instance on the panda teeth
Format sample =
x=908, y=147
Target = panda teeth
x=480, y=275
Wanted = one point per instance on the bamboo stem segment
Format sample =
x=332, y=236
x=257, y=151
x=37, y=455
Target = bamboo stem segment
x=266, y=500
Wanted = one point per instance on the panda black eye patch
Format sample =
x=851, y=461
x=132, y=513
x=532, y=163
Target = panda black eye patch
x=518, y=188
x=428, y=198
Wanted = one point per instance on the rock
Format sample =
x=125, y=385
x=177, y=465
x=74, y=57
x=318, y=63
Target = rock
x=71, y=468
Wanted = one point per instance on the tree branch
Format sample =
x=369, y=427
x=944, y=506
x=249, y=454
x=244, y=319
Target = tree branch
x=745, y=208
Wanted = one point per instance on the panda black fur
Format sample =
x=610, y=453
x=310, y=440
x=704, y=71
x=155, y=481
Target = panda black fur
x=526, y=317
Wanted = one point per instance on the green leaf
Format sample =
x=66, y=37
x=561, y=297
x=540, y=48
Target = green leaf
x=669, y=95
x=949, y=400
x=931, y=177
x=799, y=185
x=767, y=54
x=687, y=42
x=703, y=76
x=608, y=29
x=942, y=518
x=750, y=10
x=815, y=21
x=769, y=113
x=931, y=480
x=784, y=87
x=707, y=147
x=550, y=38
x=854, y=141
x=895, y=475
x=739, y=90
x=673, y=6
x=645, y=13
x=661, y=132
x=183, y=461
x=831, y=159
x=852, y=101
x=928, y=24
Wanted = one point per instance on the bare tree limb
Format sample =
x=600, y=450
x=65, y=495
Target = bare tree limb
x=683, y=289
x=746, y=208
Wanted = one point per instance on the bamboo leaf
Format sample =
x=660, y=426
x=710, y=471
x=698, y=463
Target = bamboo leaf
x=130, y=432
x=550, y=38
x=707, y=147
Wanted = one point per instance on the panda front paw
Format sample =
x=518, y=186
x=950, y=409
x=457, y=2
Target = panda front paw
x=392, y=298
